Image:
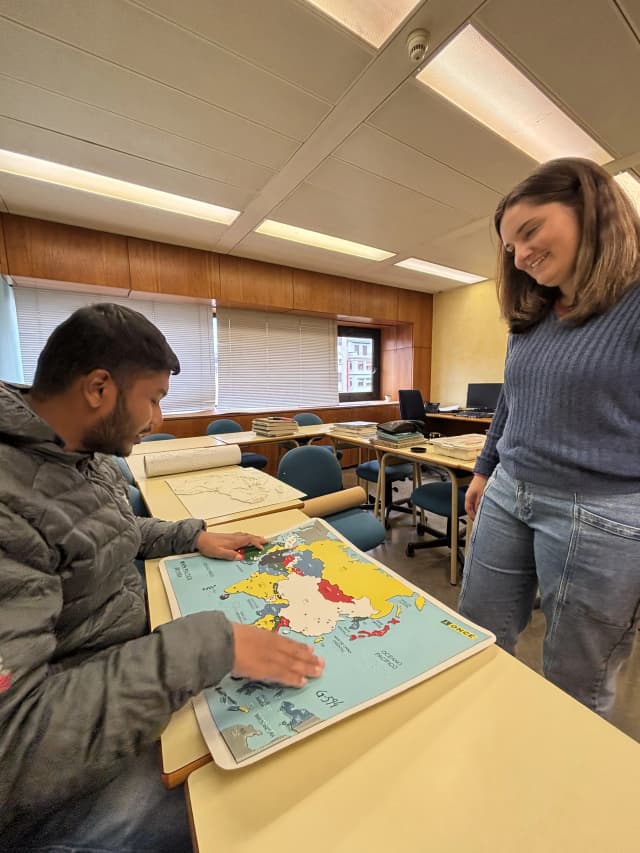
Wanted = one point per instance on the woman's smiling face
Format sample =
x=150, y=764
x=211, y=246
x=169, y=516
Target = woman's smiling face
x=544, y=240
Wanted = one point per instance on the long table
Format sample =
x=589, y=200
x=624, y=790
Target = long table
x=486, y=756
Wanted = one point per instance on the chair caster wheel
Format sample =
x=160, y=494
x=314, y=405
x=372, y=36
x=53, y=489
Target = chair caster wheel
x=421, y=529
x=410, y=551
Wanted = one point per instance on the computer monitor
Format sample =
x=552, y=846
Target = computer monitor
x=483, y=395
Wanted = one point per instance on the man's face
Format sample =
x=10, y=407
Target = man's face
x=136, y=412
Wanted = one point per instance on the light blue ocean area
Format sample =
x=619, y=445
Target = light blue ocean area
x=365, y=658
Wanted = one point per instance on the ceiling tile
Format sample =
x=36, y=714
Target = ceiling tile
x=429, y=123
x=132, y=38
x=344, y=201
x=81, y=77
x=58, y=148
x=266, y=40
x=385, y=156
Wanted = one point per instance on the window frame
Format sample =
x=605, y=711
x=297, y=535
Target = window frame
x=374, y=333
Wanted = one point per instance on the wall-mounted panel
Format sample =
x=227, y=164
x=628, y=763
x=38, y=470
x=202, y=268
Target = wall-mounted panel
x=318, y=293
x=39, y=249
x=416, y=308
x=161, y=268
x=253, y=284
x=374, y=302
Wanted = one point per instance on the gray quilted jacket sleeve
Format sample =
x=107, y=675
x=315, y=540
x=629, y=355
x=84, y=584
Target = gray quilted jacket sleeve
x=66, y=728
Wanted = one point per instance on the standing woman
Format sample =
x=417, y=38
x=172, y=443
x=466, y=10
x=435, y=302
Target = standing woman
x=559, y=476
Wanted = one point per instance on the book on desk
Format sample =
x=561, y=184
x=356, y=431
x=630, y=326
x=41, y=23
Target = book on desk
x=378, y=633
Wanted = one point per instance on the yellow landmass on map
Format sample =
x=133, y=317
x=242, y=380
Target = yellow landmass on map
x=420, y=602
x=356, y=578
x=267, y=622
x=261, y=585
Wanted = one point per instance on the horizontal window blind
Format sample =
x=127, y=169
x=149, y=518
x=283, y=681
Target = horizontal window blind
x=186, y=326
x=271, y=361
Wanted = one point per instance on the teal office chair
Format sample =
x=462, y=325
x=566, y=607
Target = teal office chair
x=247, y=460
x=436, y=498
x=370, y=470
x=311, y=419
x=158, y=436
x=315, y=472
x=124, y=468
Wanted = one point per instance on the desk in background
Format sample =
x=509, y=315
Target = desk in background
x=486, y=756
x=183, y=748
x=456, y=469
x=453, y=425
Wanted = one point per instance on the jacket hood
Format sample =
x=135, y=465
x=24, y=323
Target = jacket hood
x=20, y=426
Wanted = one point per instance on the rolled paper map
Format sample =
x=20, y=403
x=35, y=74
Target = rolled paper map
x=195, y=459
x=335, y=502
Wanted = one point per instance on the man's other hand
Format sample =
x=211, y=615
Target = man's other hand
x=266, y=656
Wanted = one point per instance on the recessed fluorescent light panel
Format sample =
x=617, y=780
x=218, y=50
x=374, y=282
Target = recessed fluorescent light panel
x=372, y=20
x=427, y=268
x=476, y=77
x=321, y=241
x=631, y=185
x=89, y=182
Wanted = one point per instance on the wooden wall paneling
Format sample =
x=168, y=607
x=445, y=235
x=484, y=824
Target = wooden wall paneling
x=318, y=293
x=374, y=302
x=417, y=309
x=254, y=284
x=50, y=250
x=388, y=342
x=179, y=270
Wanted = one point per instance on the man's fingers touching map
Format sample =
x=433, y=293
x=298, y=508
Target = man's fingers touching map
x=229, y=546
x=266, y=656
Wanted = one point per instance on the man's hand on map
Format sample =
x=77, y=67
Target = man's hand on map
x=264, y=656
x=227, y=546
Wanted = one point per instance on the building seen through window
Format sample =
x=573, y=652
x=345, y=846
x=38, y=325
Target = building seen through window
x=358, y=363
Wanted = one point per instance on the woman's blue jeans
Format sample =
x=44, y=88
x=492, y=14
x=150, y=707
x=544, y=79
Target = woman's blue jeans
x=583, y=552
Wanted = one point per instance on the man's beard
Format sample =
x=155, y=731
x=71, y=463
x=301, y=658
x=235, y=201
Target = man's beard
x=114, y=434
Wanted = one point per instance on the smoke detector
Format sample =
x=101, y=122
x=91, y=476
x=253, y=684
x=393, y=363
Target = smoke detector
x=417, y=45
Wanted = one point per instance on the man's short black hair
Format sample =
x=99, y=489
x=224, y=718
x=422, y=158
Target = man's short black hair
x=102, y=336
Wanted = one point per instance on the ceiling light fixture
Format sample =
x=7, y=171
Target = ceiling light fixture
x=372, y=20
x=471, y=73
x=270, y=228
x=427, y=268
x=90, y=182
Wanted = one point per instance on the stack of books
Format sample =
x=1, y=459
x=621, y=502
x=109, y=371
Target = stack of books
x=459, y=446
x=354, y=429
x=397, y=439
x=274, y=427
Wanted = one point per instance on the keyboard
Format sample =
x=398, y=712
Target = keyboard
x=474, y=413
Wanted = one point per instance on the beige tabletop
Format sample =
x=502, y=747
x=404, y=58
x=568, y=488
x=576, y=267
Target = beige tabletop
x=250, y=437
x=183, y=748
x=484, y=757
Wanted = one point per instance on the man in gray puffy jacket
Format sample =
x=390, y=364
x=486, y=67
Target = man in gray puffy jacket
x=85, y=690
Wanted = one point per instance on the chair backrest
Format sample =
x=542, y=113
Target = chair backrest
x=307, y=419
x=312, y=470
x=126, y=471
x=158, y=436
x=222, y=425
x=411, y=405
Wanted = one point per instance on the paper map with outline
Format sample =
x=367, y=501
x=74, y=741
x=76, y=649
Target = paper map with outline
x=378, y=634
x=229, y=490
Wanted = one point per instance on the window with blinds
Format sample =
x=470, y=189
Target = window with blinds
x=271, y=361
x=186, y=326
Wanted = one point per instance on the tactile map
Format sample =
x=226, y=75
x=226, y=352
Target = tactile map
x=378, y=634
